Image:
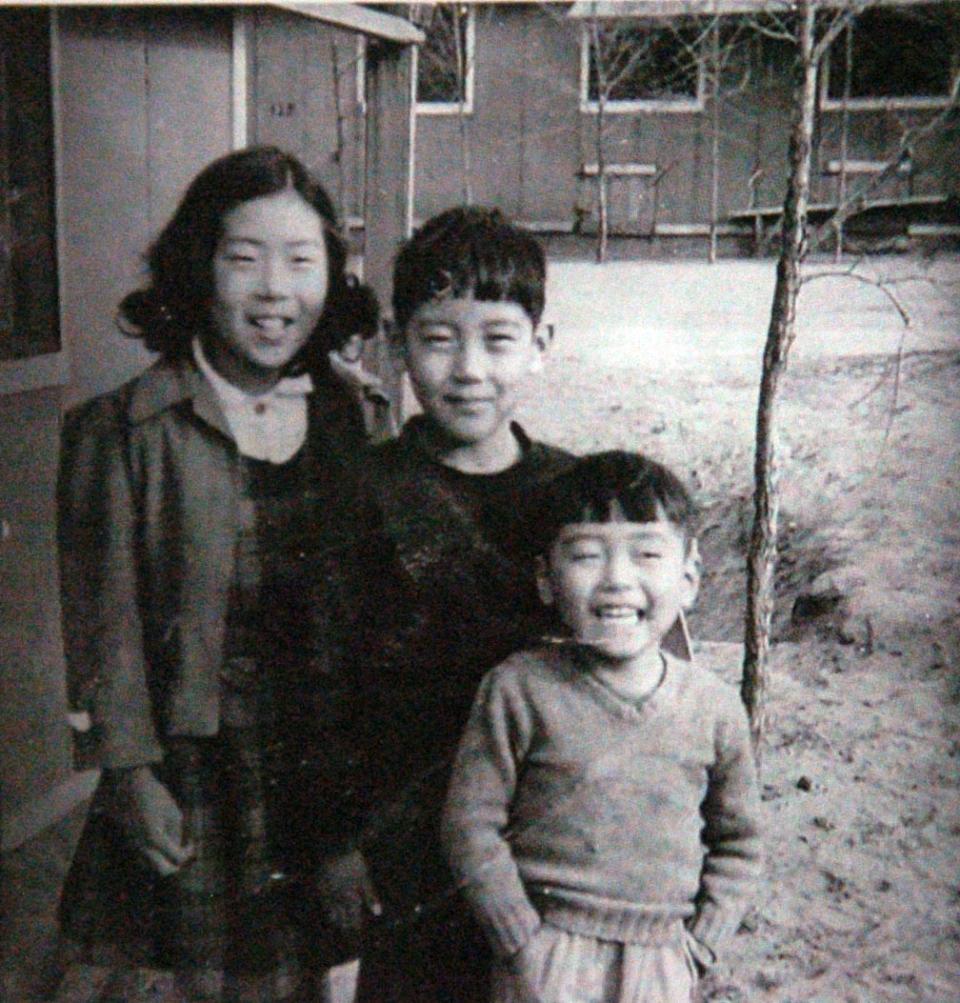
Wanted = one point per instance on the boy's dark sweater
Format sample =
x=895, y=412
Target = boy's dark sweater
x=438, y=591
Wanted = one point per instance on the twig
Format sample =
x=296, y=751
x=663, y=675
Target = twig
x=839, y=23
x=884, y=287
x=772, y=26
x=892, y=411
x=876, y=386
x=878, y=283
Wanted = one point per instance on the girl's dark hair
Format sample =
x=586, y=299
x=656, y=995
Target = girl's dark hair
x=469, y=250
x=606, y=487
x=170, y=311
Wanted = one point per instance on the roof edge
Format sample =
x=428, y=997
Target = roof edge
x=353, y=17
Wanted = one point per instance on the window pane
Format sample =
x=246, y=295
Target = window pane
x=29, y=323
x=895, y=54
x=442, y=60
x=639, y=63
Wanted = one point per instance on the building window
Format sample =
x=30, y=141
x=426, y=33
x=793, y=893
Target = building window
x=640, y=67
x=29, y=306
x=902, y=57
x=445, y=61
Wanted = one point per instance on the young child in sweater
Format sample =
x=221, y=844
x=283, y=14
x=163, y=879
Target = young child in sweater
x=603, y=814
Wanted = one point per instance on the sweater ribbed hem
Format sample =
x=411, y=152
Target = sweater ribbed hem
x=653, y=924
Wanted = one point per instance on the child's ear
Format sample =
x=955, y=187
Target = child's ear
x=542, y=340
x=544, y=589
x=691, y=574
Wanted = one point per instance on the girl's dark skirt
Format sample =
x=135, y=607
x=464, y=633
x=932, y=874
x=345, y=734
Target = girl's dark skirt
x=233, y=912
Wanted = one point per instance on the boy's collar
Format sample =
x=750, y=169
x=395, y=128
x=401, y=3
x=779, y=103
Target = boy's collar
x=417, y=433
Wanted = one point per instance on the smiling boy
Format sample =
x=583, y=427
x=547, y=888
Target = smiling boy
x=602, y=817
x=440, y=591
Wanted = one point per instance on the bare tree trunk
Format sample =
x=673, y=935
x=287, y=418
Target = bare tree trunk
x=602, y=214
x=603, y=232
x=462, y=73
x=844, y=142
x=761, y=558
x=714, y=138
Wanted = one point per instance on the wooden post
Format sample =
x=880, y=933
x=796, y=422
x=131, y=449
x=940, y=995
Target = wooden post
x=387, y=209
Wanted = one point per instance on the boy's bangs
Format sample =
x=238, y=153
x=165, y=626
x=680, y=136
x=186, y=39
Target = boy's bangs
x=470, y=251
x=635, y=506
x=487, y=276
x=613, y=486
x=494, y=280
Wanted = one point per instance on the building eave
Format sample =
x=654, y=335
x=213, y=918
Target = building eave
x=354, y=17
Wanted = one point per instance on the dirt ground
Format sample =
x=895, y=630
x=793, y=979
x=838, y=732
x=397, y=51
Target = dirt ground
x=859, y=766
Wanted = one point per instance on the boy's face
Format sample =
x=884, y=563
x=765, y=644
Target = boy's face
x=619, y=586
x=468, y=361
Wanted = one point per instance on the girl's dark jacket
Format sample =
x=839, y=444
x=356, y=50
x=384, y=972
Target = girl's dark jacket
x=148, y=491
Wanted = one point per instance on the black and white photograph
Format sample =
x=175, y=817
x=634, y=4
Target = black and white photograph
x=480, y=502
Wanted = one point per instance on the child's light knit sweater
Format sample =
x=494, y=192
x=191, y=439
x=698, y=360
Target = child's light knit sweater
x=603, y=817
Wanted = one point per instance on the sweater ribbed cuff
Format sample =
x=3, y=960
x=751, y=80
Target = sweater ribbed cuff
x=712, y=927
x=703, y=956
x=508, y=922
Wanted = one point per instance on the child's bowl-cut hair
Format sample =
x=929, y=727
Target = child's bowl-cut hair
x=610, y=487
x=469, y=250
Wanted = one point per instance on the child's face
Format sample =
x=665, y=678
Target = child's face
x=619, y=586
x=468, y=361
x=270, y=285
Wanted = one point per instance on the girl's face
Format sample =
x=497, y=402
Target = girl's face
x=270, y=281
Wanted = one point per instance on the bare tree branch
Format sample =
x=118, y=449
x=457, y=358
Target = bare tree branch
x=772, y=26
x=882, y=285
x=341, y=143
x=837, y=25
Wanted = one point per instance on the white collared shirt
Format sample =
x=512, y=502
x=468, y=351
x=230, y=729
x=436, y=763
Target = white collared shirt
x=270, y=426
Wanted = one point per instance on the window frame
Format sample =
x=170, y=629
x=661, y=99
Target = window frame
x=614, y=106
x=427, y=107
x=878, y=103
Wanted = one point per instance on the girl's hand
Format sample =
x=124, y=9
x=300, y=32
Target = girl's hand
x=346, y=893
x=152, y=819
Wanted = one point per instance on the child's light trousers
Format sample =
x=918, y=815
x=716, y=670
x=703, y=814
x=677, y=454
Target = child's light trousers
x=561, y=967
